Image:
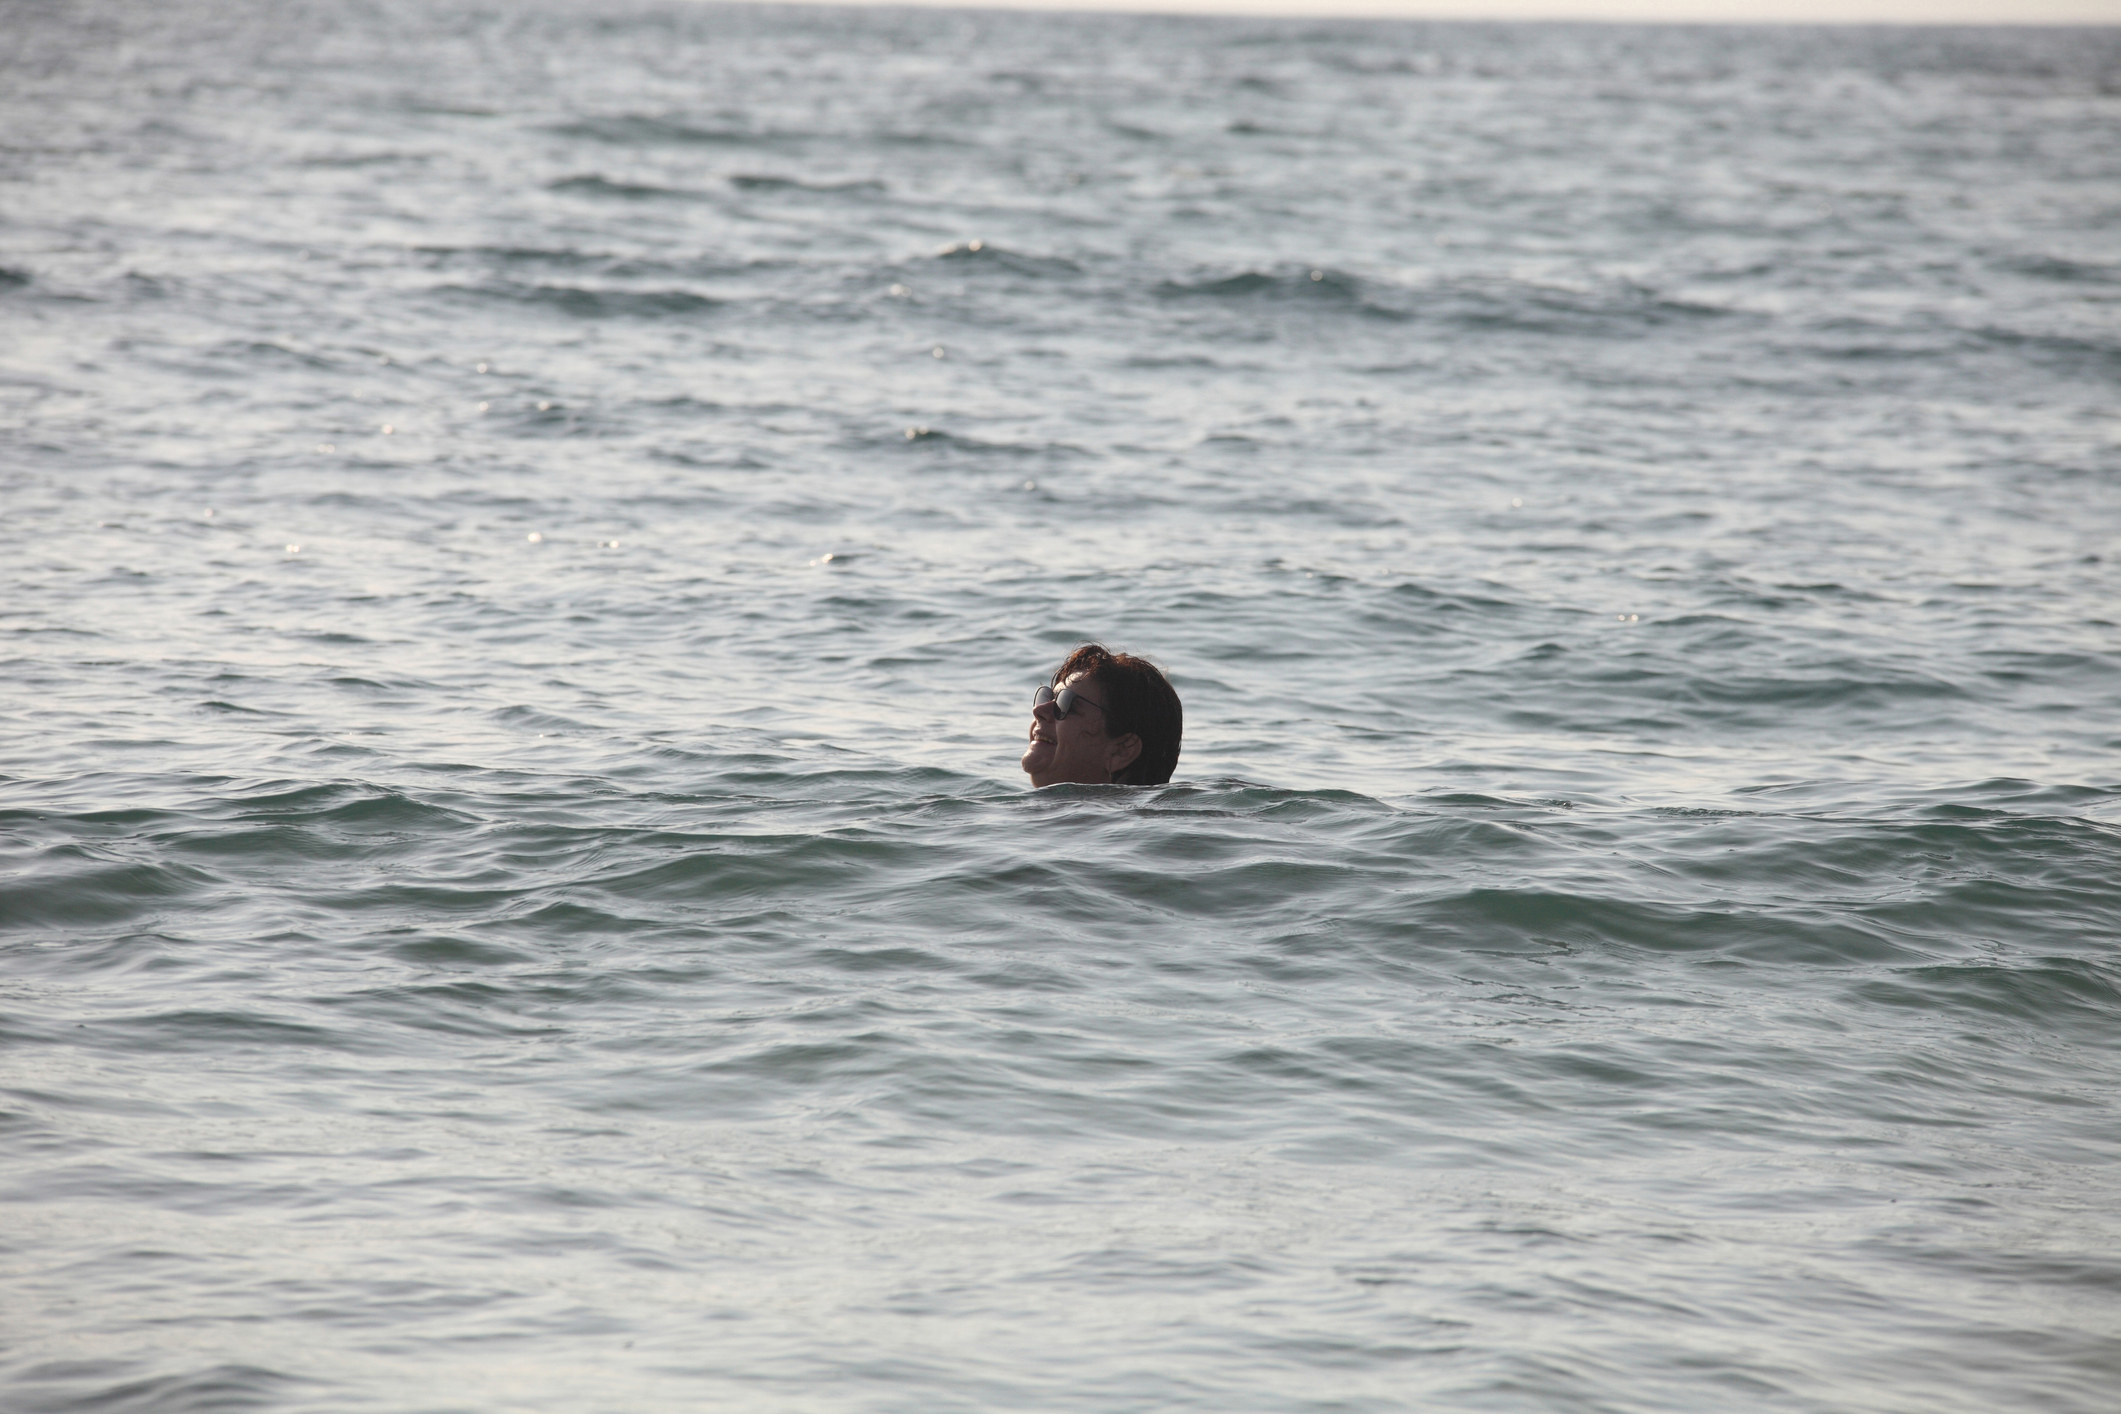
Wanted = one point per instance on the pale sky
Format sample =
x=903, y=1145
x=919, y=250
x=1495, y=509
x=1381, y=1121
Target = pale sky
x=1990, y=12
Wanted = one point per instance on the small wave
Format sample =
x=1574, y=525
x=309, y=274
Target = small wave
x=218, y=1389
x=2041, y=993
x=1317, y=288
x=584, y=303
x=987, y=254
x=2066, y=271
x=12, y=279
x=357, y=161
x=512, y=255
x=1245, y=285
x=935, y=437
x=1621, y=307
x=592, y=185
x=638, y=130
x=1408, y=597
x=698, y=267
x=1492, y=919
x=2018, y=796
x=75, y=885
x=1851, y=684
x=267, y=351
x=745, y=181
x=734, y=868
x=612, y=264
x=197, y=1029
x=1143, y=360
x=2056, y=348
x=447, y=110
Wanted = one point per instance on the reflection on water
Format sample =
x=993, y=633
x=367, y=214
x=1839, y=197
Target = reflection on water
x=528, y=537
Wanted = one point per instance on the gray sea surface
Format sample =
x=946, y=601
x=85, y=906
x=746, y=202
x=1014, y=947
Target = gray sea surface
x=527, y=533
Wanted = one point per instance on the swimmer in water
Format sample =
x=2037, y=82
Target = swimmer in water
x=1104, y=719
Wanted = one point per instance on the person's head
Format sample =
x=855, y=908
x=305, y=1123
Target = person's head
x=1121, y=724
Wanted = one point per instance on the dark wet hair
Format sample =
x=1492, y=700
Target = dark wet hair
x=1138, y=698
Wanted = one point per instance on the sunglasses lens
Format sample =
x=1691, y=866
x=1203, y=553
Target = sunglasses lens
x=1041, y=697
x=1064, y=701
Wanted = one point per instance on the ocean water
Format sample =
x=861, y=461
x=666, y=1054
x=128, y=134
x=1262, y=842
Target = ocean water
x=529, y=531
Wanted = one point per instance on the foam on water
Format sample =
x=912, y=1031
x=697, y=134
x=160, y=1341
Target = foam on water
x=528, y=538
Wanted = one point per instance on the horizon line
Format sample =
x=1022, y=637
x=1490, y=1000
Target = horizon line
x=1883, y=14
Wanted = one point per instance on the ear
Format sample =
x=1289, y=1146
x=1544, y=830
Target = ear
x=1121, y=751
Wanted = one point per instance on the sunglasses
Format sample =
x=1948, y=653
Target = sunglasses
x=1063, y=701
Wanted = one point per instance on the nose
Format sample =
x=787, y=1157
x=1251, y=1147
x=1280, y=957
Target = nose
x=1046, y=712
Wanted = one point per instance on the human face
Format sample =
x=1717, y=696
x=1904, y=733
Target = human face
x=1073, y=748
